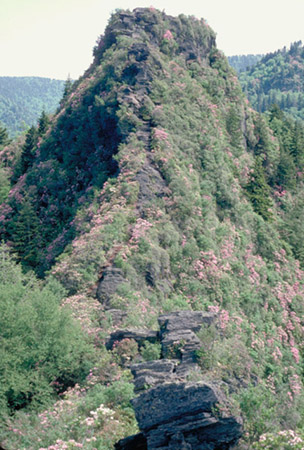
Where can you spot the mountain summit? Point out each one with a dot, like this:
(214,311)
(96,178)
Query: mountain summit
(153,190)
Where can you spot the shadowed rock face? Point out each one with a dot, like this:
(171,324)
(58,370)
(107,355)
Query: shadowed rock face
(136,442)
(108,284)
(175,414)
(180,416)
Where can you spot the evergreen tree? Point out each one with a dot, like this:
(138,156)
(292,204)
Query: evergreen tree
(25,234)
(28,152)
(4,184)
(298,144)
(4,140)
(286,171)
(67,88)
(258,191)
(233,124)
(43,123)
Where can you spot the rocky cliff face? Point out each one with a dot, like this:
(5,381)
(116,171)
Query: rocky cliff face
(171,412)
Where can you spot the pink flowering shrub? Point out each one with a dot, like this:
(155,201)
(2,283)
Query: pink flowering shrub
(286,439)
(168,35)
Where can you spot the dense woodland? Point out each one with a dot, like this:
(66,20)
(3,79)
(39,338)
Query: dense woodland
(22,99)
(156,165)
(277,78)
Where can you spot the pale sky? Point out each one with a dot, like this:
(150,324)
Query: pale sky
(55,38)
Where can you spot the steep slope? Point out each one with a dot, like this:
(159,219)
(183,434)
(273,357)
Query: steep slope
(22,100)
(277,78)
(149,194)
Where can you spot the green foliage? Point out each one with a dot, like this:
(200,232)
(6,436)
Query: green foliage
(277,78)
(97,419)
(282,440)
(23,98)
(208,335)
(43,351)
(258,191)
(150,351)
(43,123)
(125,351)
(4,140)
(28,153)
(26,234)
(5,184)
(234,127)
(258,406)
(67,89)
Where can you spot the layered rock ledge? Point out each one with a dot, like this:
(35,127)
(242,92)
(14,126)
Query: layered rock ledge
(173,413)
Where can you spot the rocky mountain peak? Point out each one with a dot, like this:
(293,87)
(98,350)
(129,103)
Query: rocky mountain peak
(189,36)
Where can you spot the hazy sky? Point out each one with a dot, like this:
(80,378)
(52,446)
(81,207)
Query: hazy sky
(55,38)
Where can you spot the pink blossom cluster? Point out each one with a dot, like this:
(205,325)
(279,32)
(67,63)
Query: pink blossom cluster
(139,230)
(159,134)
(253,262)
(295,384)
(63,445)
(277,354)
(207,265)
(213,308)
(279,192)
(224,319)
(296,354)
(168,35)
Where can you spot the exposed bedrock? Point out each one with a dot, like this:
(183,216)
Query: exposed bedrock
(173,413)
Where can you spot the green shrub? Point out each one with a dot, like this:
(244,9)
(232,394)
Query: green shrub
(43,351)
(282,440)
(150,351)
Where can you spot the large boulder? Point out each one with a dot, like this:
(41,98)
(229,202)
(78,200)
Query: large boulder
(181,415)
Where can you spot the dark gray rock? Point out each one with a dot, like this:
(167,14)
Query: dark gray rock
(135,442)
(177,441)
(116,316)
(151,407)
(178,338)
(185,320)
(140,336)
(174,414)
(151,183)
(111,278)
(199,432)
(180,415)
(152,373)
(176,343)
(140,51)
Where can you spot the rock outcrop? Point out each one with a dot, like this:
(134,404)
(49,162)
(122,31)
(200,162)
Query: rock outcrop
(112,277)
(173,413)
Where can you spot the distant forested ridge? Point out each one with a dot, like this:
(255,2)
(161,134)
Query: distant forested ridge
(22,100)
(243,62)
(277,78)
